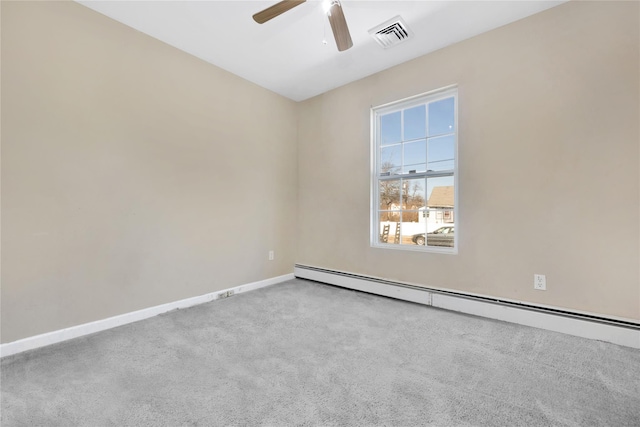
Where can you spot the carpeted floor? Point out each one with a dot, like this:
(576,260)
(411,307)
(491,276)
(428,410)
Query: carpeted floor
(302,353)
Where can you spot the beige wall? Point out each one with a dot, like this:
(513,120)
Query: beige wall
(548,138)
(133,174)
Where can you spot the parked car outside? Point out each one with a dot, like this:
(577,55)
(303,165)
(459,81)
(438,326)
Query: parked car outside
(443,236)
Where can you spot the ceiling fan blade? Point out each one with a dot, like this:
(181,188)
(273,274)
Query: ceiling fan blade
(339,26)
(275,10)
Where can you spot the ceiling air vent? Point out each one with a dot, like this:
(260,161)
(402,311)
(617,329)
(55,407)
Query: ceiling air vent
(391,33)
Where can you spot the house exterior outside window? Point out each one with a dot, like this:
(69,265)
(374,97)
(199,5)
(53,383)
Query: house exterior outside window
(414,173)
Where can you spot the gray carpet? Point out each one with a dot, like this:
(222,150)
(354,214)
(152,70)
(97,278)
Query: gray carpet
(302,353)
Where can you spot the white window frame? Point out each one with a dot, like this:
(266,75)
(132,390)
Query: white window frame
(376,113)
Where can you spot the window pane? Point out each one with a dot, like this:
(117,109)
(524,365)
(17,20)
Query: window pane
(390,128)
(413,194)
(413,228)
(415,123)
(440,153)
(441,117)
(390,159)
(389,224)
(389,195)
(440,211)
(415,154)
(413,201)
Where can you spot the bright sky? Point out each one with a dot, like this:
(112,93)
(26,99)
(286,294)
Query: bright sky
(425,147)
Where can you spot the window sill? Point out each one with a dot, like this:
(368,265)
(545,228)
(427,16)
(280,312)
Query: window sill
(416,248)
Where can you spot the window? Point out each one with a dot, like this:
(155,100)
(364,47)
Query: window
(414,158)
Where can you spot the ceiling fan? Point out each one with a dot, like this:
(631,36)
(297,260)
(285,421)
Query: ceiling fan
(334,13)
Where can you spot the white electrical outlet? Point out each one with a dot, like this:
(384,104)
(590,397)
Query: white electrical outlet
(271,255)
(540,282)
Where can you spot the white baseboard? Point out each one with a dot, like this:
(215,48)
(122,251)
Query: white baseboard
(54,337)
(577,324)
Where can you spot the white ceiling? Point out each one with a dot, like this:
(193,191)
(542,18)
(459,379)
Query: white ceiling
(287,54)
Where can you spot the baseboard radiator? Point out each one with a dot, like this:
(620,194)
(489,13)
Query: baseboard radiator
(619,331)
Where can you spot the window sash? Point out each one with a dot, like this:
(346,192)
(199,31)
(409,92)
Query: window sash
(416,175)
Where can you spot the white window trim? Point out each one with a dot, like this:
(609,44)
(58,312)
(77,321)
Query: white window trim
(376,112)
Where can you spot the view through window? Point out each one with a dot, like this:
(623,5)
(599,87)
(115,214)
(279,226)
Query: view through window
(414,156)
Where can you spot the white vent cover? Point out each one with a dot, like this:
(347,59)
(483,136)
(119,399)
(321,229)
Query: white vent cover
(391,33)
